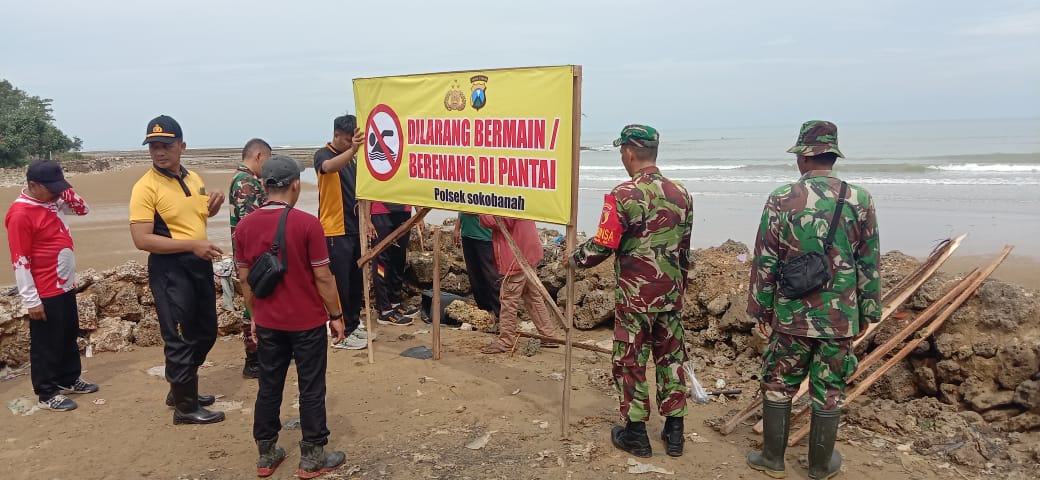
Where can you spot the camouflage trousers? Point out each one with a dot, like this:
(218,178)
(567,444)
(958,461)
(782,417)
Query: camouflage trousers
(247,336)
(789,359)
(637,336)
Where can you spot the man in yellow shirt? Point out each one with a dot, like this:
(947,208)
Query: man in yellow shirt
(168,211)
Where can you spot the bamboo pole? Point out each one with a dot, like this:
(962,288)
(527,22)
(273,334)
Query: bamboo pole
(932,327)
(435,306)
(397,233)
(570,240)
(891,301)
(591,348)
(366,273)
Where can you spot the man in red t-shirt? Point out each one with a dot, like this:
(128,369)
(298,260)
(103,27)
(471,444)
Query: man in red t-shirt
(289,323)
(45,272)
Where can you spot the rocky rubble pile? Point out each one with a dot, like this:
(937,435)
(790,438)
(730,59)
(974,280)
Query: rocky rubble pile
(116,313)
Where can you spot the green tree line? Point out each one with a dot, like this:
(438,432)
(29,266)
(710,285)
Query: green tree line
(27,128)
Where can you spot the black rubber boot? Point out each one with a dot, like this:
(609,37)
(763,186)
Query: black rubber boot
(314,460)
(776,425)
(672,434)
(632,438)
(252,368)
(204,400)
(271,455)
(186,408)
(824,459)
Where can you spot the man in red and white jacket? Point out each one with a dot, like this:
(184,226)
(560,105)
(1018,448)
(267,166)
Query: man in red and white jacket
(45,272)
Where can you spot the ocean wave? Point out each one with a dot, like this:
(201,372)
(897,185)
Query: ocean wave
(975,167)
(669,167)
(860,180)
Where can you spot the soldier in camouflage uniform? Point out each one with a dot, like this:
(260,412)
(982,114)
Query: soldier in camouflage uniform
(245,195)
(812,336)
(646,225)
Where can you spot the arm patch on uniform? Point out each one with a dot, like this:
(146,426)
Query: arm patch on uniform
(609,232)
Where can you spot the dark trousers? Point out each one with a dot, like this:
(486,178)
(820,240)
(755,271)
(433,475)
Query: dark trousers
(388,267)
(275,349)
(52,346)
(344,252)
(185,302)
(483,274)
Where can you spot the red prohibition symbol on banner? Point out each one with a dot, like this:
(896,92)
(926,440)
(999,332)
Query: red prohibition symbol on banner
(383,152)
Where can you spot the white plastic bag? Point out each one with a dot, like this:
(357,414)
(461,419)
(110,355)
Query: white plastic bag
(697,392)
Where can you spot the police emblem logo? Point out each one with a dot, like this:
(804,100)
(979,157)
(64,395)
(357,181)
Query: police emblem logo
(455,99)
(478,97)
(157,129)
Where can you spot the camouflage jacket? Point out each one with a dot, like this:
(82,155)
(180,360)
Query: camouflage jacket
(646,224)
(245,195)
(795,220)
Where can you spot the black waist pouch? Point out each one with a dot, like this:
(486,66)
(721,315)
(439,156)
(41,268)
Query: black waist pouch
(268,269)
(808,272)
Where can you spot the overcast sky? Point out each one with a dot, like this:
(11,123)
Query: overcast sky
(231,70)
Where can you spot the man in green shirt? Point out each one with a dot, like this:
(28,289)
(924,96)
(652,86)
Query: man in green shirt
(245,195)
(479,253)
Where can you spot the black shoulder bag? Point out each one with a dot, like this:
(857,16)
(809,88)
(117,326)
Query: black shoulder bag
(810,271)
(268,269)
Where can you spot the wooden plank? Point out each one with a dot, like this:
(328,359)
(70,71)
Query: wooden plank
(435,306)
(977,280)
(891,302)
(404,228)
(591,348)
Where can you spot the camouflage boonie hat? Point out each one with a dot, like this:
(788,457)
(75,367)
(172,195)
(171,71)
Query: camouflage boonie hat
(638,136)
(817,137)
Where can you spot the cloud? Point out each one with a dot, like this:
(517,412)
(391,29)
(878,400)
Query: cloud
(1025,24)
(780,41)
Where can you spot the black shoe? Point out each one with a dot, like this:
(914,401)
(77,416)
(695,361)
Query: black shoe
(252,368)
(271,455)
(186,405)
(672,434)
(824,459)
(314,460)
(392,317)
(406,310)
(204,400)
(632,438)
(776,424)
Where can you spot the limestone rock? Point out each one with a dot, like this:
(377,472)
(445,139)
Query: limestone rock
(455,283)
(125,303)
(420,265)
(1024,422)
(983,395)
(464,312)
(229,322)
(1006,306)
(985,349)
(112,335)
(924,378)
(581,288)
(1018,362)
(718,305)
(694,316)
(146,332)
(949,394)
(597,307)
(949,371)
(88,312)
(736,317)
(897,384)
(953,346)
(554,276)
(1027,395)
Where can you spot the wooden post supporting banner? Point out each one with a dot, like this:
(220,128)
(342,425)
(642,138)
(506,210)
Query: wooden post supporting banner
(570,240)
(404,228)
(366,273)
(435,306)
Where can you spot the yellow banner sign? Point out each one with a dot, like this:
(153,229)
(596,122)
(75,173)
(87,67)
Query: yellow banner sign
(490,141)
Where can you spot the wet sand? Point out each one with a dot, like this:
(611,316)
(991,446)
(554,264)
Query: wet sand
(103,237)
